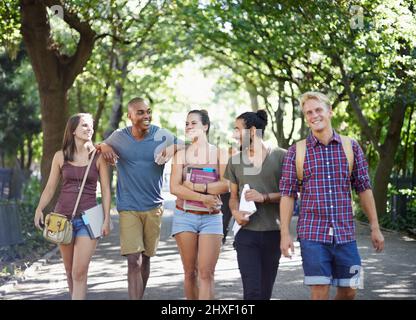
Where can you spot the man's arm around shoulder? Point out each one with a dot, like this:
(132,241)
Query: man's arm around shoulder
(108,152)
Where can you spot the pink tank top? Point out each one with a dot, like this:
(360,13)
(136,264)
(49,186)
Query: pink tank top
(71,182)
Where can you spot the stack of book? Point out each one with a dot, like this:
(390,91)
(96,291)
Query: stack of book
(199,175)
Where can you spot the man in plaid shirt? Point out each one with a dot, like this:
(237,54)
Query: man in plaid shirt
(326,228)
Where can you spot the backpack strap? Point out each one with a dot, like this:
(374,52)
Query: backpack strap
(301,152)
(349,153)
(300,159)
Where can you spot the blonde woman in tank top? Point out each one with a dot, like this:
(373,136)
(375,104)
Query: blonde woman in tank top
(70,164)
(198,233)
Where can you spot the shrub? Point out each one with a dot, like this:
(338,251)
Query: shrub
(402,221)
(33,246)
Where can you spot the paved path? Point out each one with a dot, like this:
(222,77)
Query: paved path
(389,275)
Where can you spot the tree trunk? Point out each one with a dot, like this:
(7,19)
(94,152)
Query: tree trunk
(22,155)
(414,166)
(295,106)
(381,181)
(53,126)
(406,144)
(29,154)
(283,143)
(388,151)
(100,107)
(55,73)
(117,109)
(102,99)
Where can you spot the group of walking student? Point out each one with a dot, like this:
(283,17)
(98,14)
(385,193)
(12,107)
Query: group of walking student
(323,169)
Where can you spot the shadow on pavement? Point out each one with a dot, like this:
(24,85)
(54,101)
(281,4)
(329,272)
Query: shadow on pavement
(389,275)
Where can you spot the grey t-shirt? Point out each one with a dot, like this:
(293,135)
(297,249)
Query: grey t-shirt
(139,177)
(265,180)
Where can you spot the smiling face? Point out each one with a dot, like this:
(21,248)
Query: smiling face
(85,129)
(194,127)
(317,115)
(140,115)
(242,135)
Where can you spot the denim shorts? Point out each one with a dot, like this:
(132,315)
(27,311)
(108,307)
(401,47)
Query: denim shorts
(331,264)
(78,228)
(196,223)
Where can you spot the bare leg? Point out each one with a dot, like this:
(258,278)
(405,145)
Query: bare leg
(209,246)
(320,292)
(188,249)
(145,270)
(67,253)
(136,282)
(84,248)
(345,293)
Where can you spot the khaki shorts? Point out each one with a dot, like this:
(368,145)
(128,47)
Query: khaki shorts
(140,231)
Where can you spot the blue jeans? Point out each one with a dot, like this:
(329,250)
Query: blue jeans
(258,255)
(331,263)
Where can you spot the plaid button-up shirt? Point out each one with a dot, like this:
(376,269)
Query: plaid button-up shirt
(326,196)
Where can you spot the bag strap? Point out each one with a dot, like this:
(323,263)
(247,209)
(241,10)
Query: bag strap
(349,153)
(301,152)
(300,159)
(83,183)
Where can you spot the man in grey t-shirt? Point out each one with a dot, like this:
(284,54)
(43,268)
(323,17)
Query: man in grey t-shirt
(258,241)
(141,151)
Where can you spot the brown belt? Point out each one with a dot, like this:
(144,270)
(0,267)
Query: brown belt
(198,212)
